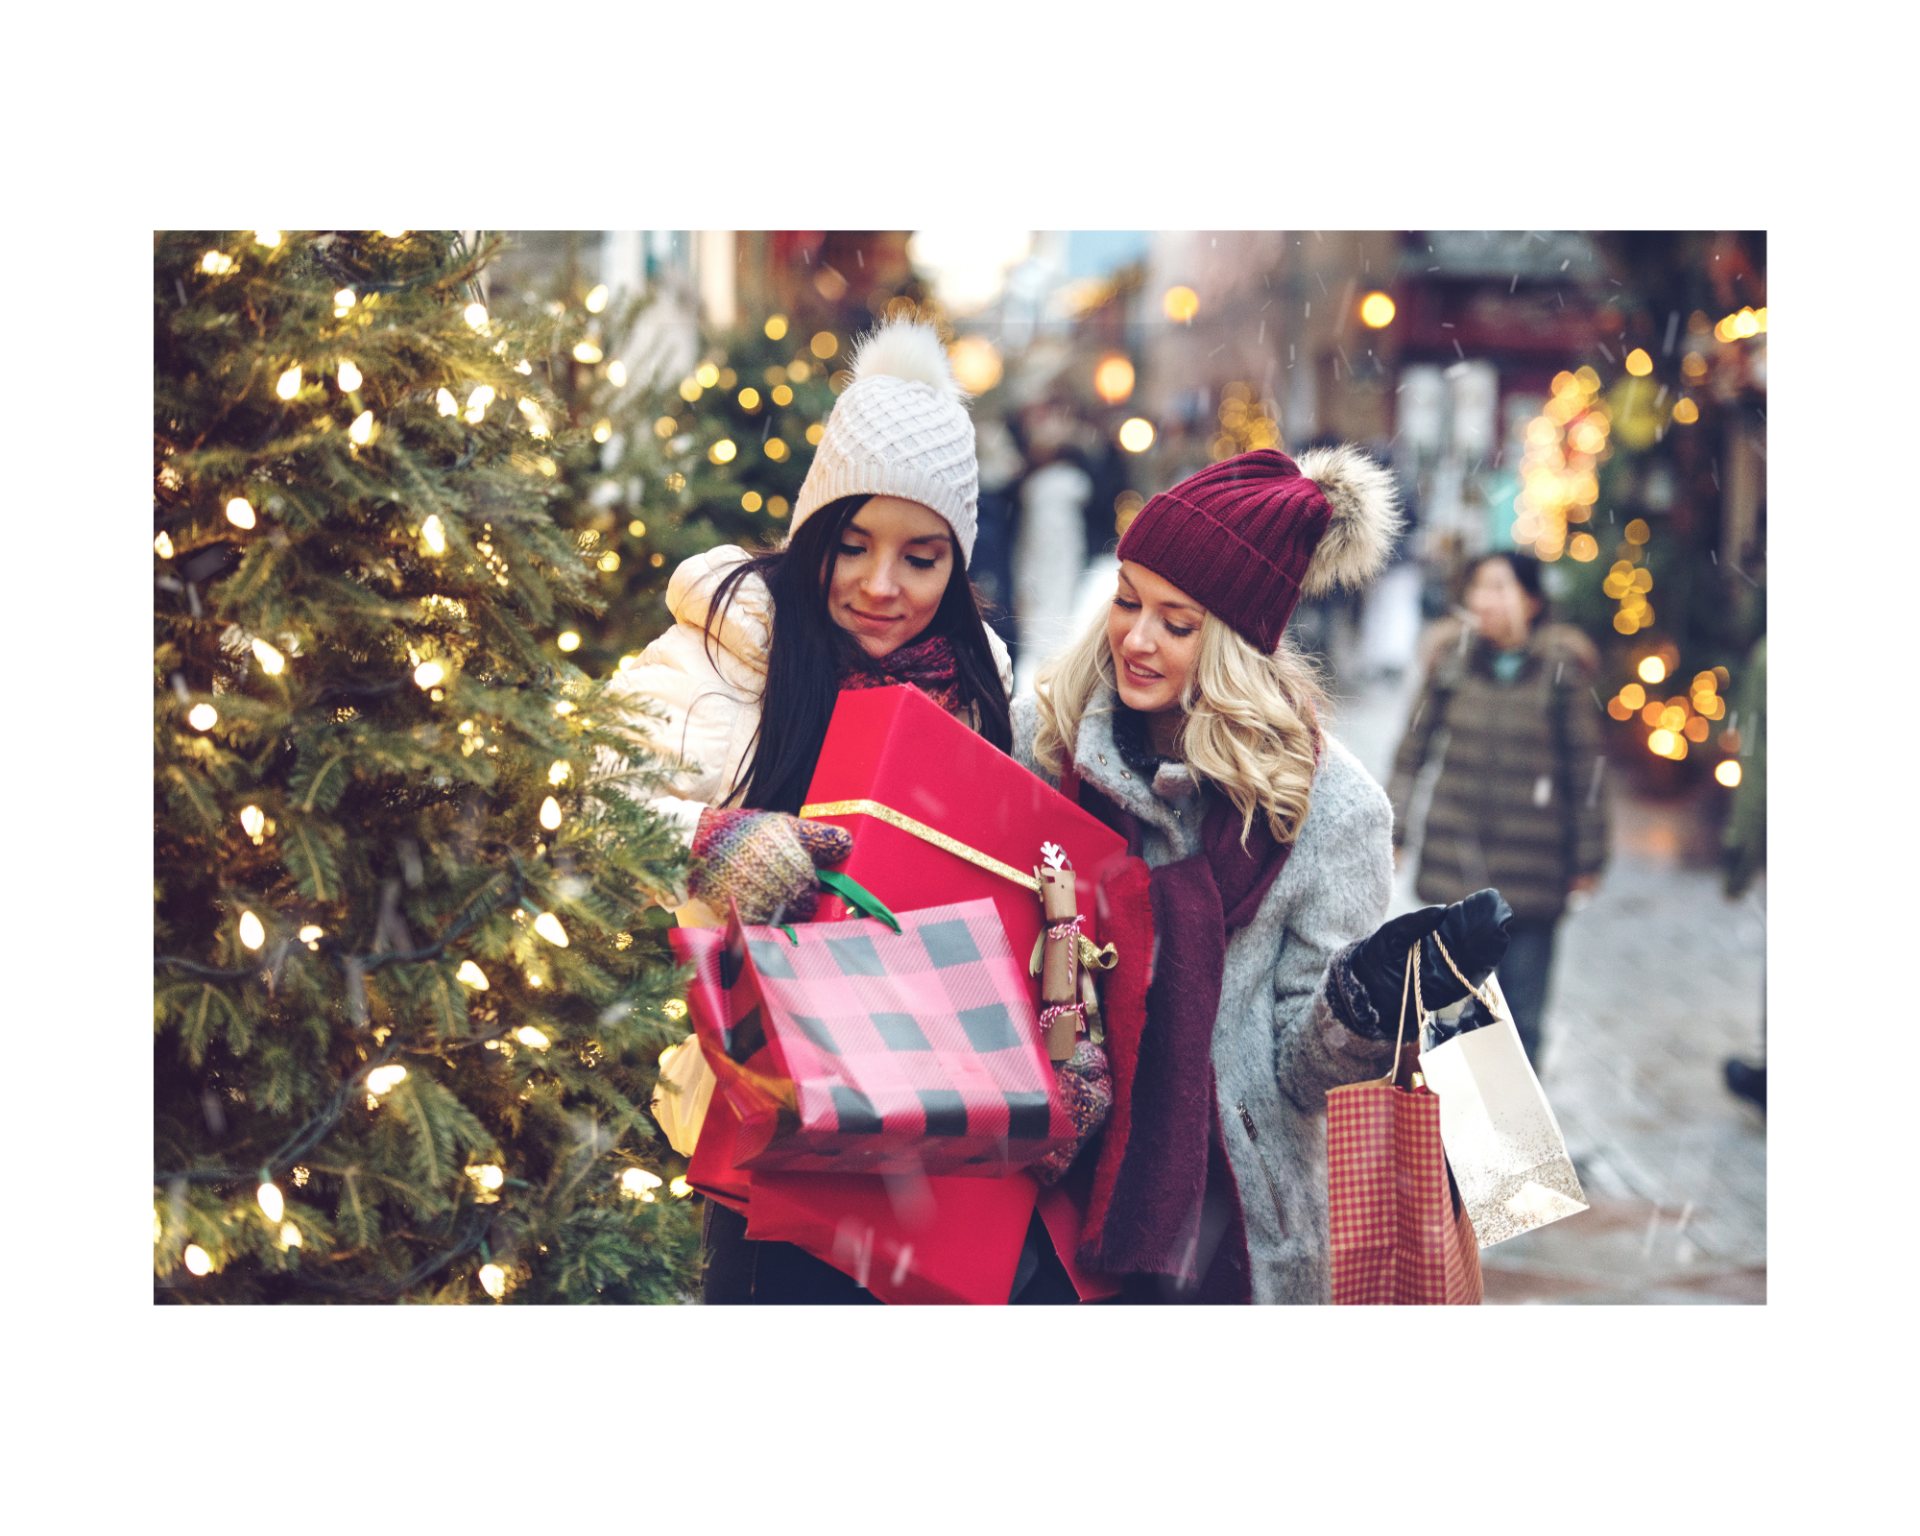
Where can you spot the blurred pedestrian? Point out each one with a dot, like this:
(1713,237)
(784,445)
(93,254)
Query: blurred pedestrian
(1518,803)
(1050,549)
(1745,842)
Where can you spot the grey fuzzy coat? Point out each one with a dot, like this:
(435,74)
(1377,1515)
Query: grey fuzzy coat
(1278,1045)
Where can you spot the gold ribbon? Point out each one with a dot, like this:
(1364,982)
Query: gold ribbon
(925,833)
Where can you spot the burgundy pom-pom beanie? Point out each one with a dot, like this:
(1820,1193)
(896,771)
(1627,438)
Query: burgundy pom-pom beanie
(1237,537)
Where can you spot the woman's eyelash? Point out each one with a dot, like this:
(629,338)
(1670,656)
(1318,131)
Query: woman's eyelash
(920,564)
(1174,629)
(852,549)
(1121,602)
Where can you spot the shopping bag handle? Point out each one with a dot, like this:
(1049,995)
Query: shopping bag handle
(1485,998)
(857,896)
(1410,979)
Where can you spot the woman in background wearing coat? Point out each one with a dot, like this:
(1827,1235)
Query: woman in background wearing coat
(1519,803)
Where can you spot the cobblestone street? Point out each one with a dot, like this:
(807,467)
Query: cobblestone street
(1657,980)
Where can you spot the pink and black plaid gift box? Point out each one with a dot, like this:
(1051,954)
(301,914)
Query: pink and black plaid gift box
(859,1050)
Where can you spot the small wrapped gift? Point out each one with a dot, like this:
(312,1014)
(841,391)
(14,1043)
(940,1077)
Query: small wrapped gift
(849,1047)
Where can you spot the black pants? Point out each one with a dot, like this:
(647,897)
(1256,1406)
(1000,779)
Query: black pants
(1524,974)
(738,1271)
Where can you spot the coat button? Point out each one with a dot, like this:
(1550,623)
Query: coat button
(1124,774)
(1103,757)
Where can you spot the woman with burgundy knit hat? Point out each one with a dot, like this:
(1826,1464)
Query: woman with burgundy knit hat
(1188,725)
(870,589)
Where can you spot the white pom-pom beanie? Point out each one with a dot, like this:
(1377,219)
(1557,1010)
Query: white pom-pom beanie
(899,429)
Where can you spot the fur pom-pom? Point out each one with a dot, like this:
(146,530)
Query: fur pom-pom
(1365,504)
(905,349)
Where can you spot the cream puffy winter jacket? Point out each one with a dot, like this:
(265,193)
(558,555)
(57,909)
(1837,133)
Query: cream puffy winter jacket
(705,700)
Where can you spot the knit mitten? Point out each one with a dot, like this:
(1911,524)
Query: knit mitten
(764,860)
(1086,1092)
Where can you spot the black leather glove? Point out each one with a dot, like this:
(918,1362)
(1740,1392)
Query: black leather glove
(1475,933)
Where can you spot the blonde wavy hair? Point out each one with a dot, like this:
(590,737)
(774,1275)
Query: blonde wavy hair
(1252,720)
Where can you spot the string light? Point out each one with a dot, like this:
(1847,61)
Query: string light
(550,813)
(535,417)
(586,352)
(548,927)
(597,300)
(433,532)
(382,1079)
(568,641)
(163,547)
(393,234)
(475,316)
(776,327)
(1180,304)
(362,429)
(270,238)
(311,936)
(602,430)
(202,717)
(639,1184)
(289,384)
(493,1280)
(251,933)
(240,512)
(216,262)
(271,1201)
(562,770)
(723,451)
(1639,364)
(1728,773)
(637,528)
(1136,434)
(1376,311)
(472,975)
(706,375)
(448,405)
(429,674)
(478,401)
(254,821)
(1652,670)
(680,1187)
(528,1036)
(271,661)
(349,377)
(617,374)
(487,1175)
(289,1234)
(196,1260)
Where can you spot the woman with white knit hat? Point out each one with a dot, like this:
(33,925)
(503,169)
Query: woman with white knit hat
(870,589)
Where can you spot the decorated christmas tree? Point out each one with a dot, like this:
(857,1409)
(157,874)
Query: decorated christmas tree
(410,978)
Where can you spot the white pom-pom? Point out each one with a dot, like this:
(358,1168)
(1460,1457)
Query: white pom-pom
(904,349)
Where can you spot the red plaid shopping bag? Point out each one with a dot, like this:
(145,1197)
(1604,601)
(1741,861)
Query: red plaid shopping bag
(851,1048)
(1398,1231)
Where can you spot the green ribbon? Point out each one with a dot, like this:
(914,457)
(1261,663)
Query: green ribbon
(858,897)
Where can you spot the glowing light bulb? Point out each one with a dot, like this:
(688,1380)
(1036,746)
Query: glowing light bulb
(617,374)
(535,416)
(563,708)
(362,429)
(289,384)
(528,1036)
(639,1182)
(163,547)
(476,316)
(349,377)
(568,641)
(251,933)
(254,821)
(433,532)
(1660,743)
(1113,379)
(216,262)
(1652,670)
(1639,364)
(550,813)
(448,405)
(1728,773)
(240,513)
(289,1234)
(1376,311)
(680,1187)
(472,975)
(270,238)
(196,1260)
(586,352)
(478,401)
(1136,434)
(1180,303)
(602,430)
(202,717)
(1685,411)
(548,927)
(723,451)
(271,1201)
(311,935)
(562,770)
(776,327)
(493,1280)
(597,300)
(383,1079)
(271,661)
(487,1175)
(429,674)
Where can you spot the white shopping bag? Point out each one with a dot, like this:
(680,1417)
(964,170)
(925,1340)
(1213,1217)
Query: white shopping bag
(681,1097)
(1500,1136)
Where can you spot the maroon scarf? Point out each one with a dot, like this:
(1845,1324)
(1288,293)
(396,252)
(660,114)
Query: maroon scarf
(1164,1203)
(931,665)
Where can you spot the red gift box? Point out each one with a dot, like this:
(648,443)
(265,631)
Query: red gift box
(902,758)
(847,1047)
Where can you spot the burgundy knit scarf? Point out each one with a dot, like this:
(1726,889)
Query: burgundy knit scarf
(931,665)
(1164,1204)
